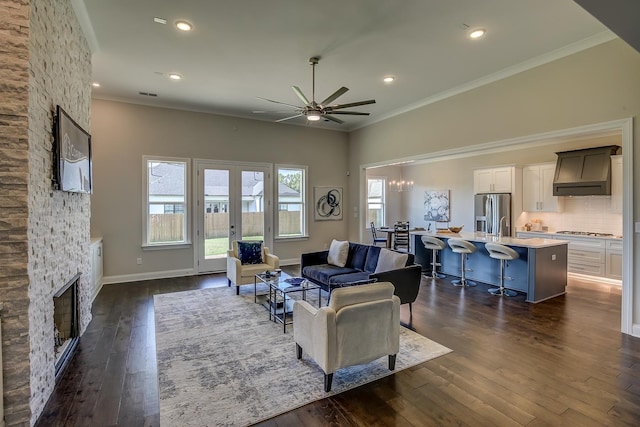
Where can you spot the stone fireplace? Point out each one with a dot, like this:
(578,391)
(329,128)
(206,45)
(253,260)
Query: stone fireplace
(44,233)
(65,323)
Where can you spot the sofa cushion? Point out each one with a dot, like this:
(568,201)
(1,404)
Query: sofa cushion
(338,253)
(357,255)
(372,259)
(250,252)
(390,260)
(342,279)
(322,273)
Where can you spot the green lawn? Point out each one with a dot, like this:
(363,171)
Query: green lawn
(219,246)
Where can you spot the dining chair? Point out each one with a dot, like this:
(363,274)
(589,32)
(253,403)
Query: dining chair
(401,235)
(377,239)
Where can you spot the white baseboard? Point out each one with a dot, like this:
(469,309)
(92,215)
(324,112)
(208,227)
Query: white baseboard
(635,330)
(137,277)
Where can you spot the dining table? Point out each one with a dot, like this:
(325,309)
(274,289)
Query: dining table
(391,231)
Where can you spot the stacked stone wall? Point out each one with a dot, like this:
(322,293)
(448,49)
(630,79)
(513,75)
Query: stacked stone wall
(44,234)
(58,228)
(14,181)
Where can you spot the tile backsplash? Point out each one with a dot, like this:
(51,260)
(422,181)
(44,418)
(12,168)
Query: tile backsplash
(589,213)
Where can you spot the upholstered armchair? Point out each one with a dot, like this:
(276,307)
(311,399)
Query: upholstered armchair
(360,324)
(242,268)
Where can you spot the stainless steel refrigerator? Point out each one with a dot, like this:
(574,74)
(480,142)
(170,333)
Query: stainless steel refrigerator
(490,209)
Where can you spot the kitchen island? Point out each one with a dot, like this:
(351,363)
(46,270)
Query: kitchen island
(540,272)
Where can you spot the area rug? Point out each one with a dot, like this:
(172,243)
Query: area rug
(222,362)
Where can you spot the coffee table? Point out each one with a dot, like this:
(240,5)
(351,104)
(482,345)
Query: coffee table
(279,303)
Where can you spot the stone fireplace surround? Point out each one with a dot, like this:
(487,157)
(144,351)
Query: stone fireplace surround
(45,60)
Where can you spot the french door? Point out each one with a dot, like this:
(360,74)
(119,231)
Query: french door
(234,202)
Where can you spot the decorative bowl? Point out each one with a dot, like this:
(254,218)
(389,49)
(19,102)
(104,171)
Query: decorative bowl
(456,228)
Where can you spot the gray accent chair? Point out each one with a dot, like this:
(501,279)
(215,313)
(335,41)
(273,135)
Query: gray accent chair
(360,324)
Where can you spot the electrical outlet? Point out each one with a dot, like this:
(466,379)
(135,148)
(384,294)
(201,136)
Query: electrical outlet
(553,257)
(139,261)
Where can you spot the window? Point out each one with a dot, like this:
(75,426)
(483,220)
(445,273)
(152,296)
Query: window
(292,208)
(166,220)
(375,201)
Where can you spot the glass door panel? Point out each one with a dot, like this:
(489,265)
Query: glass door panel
(233,203)
(252,221)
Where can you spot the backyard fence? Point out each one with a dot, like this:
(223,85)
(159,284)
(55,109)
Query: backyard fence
(169,227)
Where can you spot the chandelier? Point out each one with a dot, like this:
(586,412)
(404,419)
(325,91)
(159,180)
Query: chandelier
(400,185)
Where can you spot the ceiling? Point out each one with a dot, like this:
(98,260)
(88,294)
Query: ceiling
(244,49)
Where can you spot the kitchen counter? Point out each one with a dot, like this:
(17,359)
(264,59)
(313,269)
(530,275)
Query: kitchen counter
(540,271)
(508,241)
(555,235)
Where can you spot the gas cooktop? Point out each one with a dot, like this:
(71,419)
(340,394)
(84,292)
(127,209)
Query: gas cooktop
(585,233)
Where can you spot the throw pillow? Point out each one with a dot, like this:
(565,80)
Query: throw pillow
(250,252)
(338,253)
(390,260)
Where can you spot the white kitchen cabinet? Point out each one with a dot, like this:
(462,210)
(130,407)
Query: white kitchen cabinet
(96,266)
(616,184)
(614,259)
(600,257)
(537,189)
(493,180)
(586,256)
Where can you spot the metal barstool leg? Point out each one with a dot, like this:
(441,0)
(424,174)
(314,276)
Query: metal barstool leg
(463,278)
(434,266)
(502,291)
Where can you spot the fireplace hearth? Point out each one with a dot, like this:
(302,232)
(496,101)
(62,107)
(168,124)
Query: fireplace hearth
(65,320)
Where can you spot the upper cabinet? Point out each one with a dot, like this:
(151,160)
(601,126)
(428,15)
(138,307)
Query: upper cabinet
(616,184)
(537,188)
(493,180)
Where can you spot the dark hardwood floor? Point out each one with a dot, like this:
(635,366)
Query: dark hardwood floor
(560,362)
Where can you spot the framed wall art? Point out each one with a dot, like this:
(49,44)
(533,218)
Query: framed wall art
(436,205)
(328,203)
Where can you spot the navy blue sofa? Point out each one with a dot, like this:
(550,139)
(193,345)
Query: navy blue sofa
(360,268)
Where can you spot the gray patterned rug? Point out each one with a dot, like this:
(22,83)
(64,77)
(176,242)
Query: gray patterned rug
(222,362)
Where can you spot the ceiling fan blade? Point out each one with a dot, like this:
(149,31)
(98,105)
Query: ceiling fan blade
(353,104)
(289,118)
(298,92)
(333,119)
(352,113)
(335,95)
(278,102)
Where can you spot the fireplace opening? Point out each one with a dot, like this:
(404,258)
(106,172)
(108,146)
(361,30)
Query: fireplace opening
(65,320)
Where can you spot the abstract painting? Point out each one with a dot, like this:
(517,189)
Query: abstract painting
(436,205)
(328,203)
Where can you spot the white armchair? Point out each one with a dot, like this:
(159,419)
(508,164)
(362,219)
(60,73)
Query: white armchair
(360,324)
(244,274)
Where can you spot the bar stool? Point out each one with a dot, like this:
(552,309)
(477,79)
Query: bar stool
(464,248)
(504,254)
(435,245)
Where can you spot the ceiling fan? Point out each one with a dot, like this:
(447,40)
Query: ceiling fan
(315,111)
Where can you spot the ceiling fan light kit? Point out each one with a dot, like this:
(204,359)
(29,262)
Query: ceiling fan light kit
(314,111)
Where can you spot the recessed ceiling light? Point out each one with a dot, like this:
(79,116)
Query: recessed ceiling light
(95,84)
(477,33)
(388,79)
(175,76)
(183,26)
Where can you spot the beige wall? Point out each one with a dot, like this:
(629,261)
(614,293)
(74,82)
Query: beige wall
(593,86)
(122,133)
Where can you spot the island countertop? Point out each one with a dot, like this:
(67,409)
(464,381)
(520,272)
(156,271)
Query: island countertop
(540,270)
(508,241)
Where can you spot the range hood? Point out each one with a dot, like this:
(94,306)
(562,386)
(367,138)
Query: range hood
(584,172)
